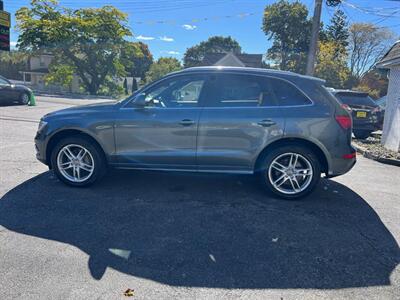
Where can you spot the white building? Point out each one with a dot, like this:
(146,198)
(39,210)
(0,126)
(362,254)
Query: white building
(391,126)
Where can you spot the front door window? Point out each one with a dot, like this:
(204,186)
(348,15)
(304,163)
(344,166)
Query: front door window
(176,93)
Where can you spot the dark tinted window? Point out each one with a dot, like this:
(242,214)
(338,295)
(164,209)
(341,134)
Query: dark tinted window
(355,99)
(287,94)
(233,90)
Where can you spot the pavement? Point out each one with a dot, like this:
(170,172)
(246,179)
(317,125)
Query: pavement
(186,236)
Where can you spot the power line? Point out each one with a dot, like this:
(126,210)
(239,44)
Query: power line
(372,11)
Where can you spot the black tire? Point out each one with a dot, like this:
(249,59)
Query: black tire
(99,162)
(24,98)
(362,134)
(306,154)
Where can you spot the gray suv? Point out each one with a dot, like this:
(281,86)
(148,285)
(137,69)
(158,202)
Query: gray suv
(284,127)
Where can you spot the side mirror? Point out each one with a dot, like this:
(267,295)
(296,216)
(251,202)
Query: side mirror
(140,100)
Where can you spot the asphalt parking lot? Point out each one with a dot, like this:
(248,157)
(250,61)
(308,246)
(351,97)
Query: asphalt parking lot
(185,236)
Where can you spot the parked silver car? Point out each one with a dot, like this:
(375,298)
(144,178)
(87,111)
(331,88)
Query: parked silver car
(284,127)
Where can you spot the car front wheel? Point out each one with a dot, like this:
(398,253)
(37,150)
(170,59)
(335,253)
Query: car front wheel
(77,161)
(290,172)
(24,99)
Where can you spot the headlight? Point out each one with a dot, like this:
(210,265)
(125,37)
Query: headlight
(42,124)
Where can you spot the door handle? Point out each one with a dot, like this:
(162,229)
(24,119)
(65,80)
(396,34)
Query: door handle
(266,123)
(186,122)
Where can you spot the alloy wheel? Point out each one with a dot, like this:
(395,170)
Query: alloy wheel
(290,173)
(25,98)
(75,163)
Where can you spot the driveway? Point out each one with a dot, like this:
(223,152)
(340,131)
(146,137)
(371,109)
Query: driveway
(184,236)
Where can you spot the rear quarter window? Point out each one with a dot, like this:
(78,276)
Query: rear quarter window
(287,94)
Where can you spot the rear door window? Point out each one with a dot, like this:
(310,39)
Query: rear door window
(236,90)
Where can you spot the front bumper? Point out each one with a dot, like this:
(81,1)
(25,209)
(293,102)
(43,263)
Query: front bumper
(40,148)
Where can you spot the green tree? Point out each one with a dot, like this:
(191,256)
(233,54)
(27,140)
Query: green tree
(137,59)
(161,67)
(134,85)
(374,82)
(216,44)
(62,74)
(338,30)
(126,86)
(11,63)
(332,65)
(287,24)
(90,40)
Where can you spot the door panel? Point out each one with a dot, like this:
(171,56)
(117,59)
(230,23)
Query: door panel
(157,137)
(162,135)
(231,138)
(237,123)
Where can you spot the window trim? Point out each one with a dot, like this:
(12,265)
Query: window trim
(206,84)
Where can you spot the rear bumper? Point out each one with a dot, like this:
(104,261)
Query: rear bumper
(342,162)
(366,125)
(345,167)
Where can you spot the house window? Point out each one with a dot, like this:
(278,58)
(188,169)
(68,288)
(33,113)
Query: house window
(41,61)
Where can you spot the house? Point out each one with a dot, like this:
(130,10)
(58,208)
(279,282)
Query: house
(391,126)
(232,60)
(38,69)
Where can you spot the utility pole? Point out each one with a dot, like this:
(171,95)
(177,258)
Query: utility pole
(314,38)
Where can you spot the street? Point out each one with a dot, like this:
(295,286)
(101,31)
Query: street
(185,236)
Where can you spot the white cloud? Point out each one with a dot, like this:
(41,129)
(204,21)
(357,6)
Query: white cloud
(172,52)
(189,27)
(144,38)
(13,44)
(166,39)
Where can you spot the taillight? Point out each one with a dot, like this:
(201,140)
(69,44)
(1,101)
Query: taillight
(350,155)
(344,121)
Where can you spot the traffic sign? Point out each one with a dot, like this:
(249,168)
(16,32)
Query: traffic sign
(5,23)
(5,18)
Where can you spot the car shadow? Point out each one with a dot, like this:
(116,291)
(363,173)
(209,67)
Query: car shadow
(11,103)
(214,231)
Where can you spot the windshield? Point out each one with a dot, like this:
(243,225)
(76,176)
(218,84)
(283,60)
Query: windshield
(4,81)
(356,99)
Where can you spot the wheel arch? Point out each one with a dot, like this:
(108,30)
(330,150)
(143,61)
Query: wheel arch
(65,133)
(316,149)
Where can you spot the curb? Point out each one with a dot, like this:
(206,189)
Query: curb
(367,154)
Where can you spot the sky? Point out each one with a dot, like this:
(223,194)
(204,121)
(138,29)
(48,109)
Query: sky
(170,27)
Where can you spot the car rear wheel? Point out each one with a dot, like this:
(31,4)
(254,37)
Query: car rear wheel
(290,172)
(361,134)
(77,161)
(24,99)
